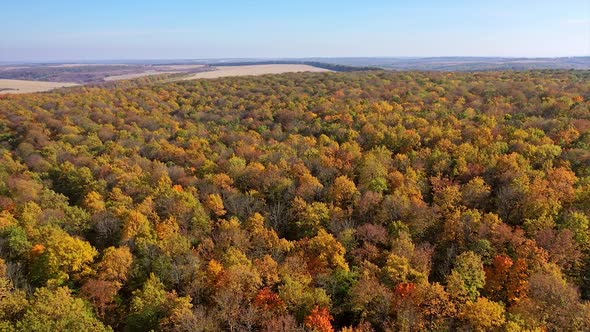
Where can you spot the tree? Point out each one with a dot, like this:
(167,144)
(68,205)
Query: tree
(552,303)
(284,323)
(371,301)
(483,315)
(94,202)
(269,302)
(374,168)
(111,274)
(215,204)
(297,289)
(446,194)
(434,306)
(325,252)
(58,310)
(398,270)
(17,243)
(309,186)
(62,257)
(475,193)
(101,293)
(183,205)
(310,218)
(319,320)
(467,277)
(73,182)
(13,302)
(152,306)
(507,280)
(344,192)
(135,224)
(579,224)
(115,264)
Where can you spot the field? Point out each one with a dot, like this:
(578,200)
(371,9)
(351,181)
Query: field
(92,73)
(137,75)
(159,70)
(38,78)
(22,86)
(254,70)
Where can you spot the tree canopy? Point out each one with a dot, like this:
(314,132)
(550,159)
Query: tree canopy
(360,201)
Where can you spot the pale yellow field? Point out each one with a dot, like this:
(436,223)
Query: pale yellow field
(20,86)
(71,65)
(225,71)
(180,67)
(138,75)
(168,69)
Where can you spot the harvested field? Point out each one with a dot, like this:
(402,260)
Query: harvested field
(21,86)
(99,73)
(180,67)
(158,70)
(72,65)
(92,73)
(224,71)
(138,75)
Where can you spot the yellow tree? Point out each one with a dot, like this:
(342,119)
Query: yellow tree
(483,315)
(62,257)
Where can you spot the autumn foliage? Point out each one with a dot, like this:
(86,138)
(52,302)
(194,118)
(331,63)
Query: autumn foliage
(361,201)
(319,320)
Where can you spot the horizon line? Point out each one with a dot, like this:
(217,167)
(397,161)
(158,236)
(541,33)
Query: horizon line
(289,58)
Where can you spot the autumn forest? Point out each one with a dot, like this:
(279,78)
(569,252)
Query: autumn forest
(356,202)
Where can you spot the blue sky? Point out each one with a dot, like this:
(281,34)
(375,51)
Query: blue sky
(104,29)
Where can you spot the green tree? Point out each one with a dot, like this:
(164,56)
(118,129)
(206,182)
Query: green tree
(57,310)
(467,277)
(153,307)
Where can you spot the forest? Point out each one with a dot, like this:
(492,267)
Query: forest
(354,201)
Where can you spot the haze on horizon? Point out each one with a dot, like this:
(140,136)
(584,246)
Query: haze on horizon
(37,30)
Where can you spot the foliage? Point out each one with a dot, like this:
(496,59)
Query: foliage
(358,201)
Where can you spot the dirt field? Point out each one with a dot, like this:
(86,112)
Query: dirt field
(224,71)
(20,86)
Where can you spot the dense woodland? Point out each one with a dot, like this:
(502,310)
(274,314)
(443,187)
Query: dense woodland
(370,201)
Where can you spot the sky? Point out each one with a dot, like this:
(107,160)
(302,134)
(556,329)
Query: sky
(60,30)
